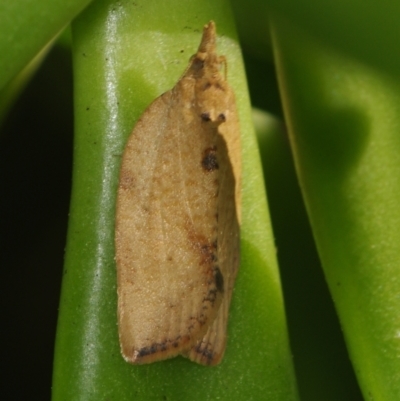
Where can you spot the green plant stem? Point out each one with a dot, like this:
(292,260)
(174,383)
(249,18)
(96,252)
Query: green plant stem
(125,55)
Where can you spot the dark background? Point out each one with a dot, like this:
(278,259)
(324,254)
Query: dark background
(35,177)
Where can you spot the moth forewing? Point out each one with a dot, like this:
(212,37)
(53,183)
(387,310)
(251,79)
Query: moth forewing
(211,349)
(177,232)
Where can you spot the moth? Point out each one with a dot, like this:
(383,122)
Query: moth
(178,216)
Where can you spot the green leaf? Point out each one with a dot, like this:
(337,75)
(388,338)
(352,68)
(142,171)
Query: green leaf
(365,30)
(343,119)
(125,55)
(27,27)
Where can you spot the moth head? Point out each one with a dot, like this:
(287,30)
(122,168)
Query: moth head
(214,116)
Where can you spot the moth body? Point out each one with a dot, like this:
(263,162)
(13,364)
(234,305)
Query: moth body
(177,218)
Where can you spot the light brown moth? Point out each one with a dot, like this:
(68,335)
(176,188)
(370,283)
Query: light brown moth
(177,218)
